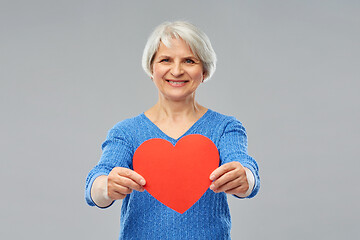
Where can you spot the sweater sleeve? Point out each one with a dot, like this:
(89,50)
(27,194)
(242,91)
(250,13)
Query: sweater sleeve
(116,152)
(233,147)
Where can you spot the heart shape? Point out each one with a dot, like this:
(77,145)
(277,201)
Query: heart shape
(177,176)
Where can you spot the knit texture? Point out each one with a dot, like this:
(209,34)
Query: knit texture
(144,217)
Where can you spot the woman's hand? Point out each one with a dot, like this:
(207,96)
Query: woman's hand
(230,178)
(122,181)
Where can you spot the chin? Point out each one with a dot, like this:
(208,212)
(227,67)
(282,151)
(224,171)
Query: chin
(177,98)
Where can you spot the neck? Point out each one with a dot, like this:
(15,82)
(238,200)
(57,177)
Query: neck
(176,110)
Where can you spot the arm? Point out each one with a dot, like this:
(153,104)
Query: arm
(238,173)
(117,153)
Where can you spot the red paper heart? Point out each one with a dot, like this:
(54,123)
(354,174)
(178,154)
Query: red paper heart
(177,176)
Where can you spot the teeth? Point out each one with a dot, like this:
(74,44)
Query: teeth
(176,83)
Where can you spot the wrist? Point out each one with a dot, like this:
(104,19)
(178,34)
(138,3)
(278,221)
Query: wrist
(99,192)
(105,190)
(251,181)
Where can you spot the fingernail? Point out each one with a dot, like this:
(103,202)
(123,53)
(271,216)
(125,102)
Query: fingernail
(142,182)
(212,177)
(212,186)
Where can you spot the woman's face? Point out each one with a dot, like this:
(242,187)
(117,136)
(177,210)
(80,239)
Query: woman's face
(176,71)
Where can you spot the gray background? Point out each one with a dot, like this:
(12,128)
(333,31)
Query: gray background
(289,70)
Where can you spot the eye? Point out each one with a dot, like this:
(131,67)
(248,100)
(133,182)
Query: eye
(189,61)
(164,60)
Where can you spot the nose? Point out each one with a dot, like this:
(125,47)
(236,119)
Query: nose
(176,70)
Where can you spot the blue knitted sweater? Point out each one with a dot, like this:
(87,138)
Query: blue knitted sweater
(144,217)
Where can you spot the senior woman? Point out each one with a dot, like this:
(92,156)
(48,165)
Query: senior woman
(178,57)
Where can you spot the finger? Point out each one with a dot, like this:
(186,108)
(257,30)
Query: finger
(235,185)
(123,190)
(221,170)
(225,178)
(116,195)
(129,183)
(125,172)
(119,188)
(238,190)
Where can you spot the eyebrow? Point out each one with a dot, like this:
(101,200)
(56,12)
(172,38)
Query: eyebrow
(191,56)
(163,56)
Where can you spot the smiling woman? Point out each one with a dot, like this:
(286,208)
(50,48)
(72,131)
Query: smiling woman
(178,57)
(177,72)
(195,39)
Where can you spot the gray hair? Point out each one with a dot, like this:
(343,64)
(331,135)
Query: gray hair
(197,40)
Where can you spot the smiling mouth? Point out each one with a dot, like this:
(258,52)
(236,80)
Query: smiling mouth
(177,83)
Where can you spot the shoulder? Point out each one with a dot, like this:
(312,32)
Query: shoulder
(216,126)
(129,122)
(225,121)
(128,126)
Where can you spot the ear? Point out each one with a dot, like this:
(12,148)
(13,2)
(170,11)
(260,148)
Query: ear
(152,72)
(204,76)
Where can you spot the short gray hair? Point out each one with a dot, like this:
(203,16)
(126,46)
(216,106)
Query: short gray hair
(197,40)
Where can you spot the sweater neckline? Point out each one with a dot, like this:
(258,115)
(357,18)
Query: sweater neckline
(187,132)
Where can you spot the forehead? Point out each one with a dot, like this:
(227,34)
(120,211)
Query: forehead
(176,47)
